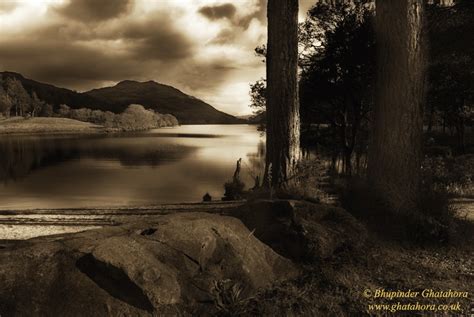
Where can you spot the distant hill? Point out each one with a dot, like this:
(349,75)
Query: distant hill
(54,95)
(162,98)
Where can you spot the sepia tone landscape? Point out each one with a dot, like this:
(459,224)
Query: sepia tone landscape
(244,158)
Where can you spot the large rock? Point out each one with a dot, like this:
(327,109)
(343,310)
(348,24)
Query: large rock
(171,265)
(302,230)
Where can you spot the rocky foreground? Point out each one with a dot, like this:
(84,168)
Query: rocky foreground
(137,269)
(189,263)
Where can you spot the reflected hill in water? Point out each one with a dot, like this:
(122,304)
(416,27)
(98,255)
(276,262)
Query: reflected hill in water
(20,156)
(168,165)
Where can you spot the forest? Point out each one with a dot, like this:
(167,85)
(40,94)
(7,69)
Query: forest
(384,91)
(347,105)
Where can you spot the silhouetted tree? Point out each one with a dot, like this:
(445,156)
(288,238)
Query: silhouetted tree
(282,119)
(451,74)
(338,71)
(395,153)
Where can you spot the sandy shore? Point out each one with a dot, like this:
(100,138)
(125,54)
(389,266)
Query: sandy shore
(26,224)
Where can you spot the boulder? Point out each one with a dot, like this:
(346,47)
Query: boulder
(302,230)
(165,267)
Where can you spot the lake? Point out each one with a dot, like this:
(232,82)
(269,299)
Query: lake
(167,165)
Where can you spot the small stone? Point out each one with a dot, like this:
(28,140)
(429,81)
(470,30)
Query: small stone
(207,197)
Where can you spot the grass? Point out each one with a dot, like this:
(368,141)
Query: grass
(335,286)
(20,125)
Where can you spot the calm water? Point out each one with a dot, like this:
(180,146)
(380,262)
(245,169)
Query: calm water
(164,165)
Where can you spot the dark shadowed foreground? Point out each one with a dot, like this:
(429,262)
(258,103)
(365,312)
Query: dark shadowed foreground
(263,258)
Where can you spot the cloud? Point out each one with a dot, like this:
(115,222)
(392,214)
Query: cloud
(7,6)
(157,38)
(226,10)
(203,48)
(95,10)
(65,64)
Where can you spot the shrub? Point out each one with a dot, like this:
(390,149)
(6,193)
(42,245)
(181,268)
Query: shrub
(46,110)
(64,111)
(234,190)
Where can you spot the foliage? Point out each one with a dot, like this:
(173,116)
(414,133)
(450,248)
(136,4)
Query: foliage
(452,175)
(338,71)
(20,99)
(134,118)
(451,73)
(228,298)
(14,98)
(306,183)
(337,59)
(46,110)
(5,102)
(257,96)
(234,190)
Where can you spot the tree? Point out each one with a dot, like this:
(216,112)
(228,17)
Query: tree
(283,121)
(64,111)
(82,114)
(395,150)
(5,102)
(46,110)
(36,104)
(258,96)
(20,98)
(337,73)
(451,74)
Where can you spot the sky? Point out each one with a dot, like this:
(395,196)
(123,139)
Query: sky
(203,47)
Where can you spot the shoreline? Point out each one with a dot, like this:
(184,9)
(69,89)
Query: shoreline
(47,126)
(22,225)
(40,126)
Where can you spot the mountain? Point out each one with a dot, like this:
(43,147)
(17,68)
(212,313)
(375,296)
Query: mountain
(162,98)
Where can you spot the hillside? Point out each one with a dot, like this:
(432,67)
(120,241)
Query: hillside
(52,94)
(162,98)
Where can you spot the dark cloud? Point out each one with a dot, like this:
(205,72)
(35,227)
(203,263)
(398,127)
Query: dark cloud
(65,64)
(157,38)
(226,10)
(95,10)
(85,44)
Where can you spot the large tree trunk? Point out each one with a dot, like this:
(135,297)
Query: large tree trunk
(283,120)
(395,154)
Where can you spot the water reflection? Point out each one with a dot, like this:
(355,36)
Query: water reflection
(163,165)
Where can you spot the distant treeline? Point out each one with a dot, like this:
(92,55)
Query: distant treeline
(134,118)
(16,101)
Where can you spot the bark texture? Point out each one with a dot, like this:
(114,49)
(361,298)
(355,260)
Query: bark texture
(283,119)
(395,154)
